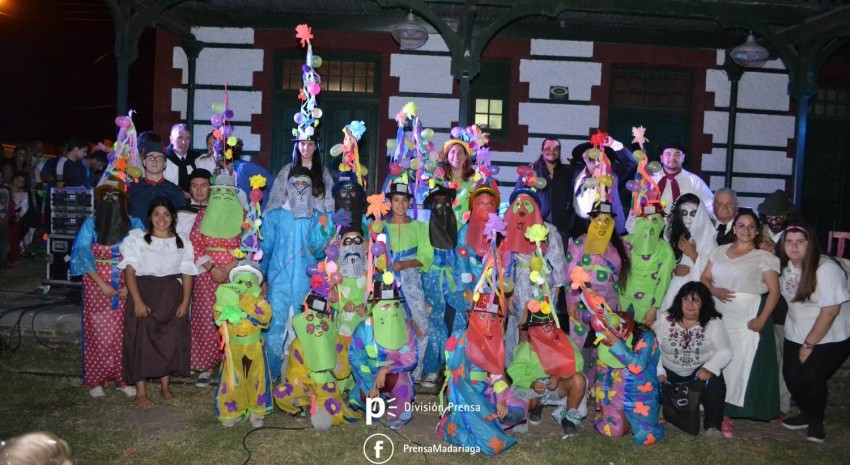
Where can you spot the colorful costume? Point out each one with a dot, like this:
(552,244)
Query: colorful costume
(652,266)
(475,368)
(385,341)
(216,233)
(96,249)
(536,265)
(443,283)
(630,393)
(293,238)
(409,241)
(318,361)
(242,313)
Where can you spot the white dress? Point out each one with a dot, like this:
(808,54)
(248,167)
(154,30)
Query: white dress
(742,275)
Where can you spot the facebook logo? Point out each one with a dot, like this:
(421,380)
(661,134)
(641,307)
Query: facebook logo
(378,448)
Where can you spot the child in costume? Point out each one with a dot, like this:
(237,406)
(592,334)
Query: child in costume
(481,404)
(351,264)
(216,235)
(410,256)
(634,387)
(294,237)
(444,283)
(242,313)
(318,361)
(382,355)
(547,367)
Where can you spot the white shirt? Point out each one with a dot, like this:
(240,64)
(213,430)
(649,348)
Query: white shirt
(159,258)
(172,172)
(685,350)
(206,162)
(742,274)
(831,290)
(688,183)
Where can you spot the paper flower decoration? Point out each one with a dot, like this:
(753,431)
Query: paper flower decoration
(536,233)
(494,225)
(341,218)
(357,128)
(639,134)
(599,138)
(232,315)
(257,181)
(410,109)
(304,33)
(378,206)
(578,277)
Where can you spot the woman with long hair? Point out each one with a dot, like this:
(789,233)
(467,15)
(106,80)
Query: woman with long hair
(694,344)
(692,237)
(817,329)
(305,154)
(744,281)
(159,266)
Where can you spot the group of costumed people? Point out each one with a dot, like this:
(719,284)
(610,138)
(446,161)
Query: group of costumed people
(328,297)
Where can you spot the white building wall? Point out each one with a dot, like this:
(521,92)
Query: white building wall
(763,129)
(216,66)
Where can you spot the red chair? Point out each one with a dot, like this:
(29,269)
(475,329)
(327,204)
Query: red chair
(841,237)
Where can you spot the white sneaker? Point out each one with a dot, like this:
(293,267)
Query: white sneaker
(230,423)
(96,392)
(256,421)
(129,391)
(203,379)
(429,380)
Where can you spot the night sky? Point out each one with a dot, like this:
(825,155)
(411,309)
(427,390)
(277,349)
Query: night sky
(58,72)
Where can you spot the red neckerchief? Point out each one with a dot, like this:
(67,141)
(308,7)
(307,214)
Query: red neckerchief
(674,184)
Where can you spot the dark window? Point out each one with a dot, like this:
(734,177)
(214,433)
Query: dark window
(337,76)
(489,97)
(831,103)
(651,88)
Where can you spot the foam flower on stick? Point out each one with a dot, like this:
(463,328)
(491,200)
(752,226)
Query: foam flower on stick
(222,130)
(307,119)
(348,150)
(124,160)
(537,233)
(494,225)
(378,206)
(251,236)
(602,317)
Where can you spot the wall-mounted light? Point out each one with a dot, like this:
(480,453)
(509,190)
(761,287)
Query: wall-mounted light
(750,54)
(409,34)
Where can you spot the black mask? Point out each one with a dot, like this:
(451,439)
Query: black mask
(111,220)
(351,200)
(442,227)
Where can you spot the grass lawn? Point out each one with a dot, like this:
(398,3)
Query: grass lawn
(40,390)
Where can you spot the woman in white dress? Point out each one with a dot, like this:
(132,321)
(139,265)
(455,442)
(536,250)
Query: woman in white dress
(744,281)
(691,236)
(158,265)
(817,330)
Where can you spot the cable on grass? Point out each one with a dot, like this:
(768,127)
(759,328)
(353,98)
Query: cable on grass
(16,328)
(281,428)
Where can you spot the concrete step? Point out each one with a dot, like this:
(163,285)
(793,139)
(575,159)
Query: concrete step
(56,322)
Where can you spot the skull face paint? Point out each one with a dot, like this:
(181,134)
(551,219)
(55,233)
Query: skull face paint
(688,212)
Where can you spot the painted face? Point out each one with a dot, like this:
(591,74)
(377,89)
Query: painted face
(348,198)
(390,325)
(317,324)
(523,213)
(591,165)
(483,205)
(200,190)
(299,195)
(399,204)
(161,219)
(306,148)
(180,140)
(688,212)
(646,236)
(691,305)
(599,234)
(672,159)
(551,151)
(248,282)
(725,207)
(352,255)
(745,229)
(776,223)
(795,246)
(457,156)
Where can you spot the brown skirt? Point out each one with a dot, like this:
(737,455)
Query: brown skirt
(157,345)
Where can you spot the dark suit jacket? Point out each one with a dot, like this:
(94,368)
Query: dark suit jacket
(191,156)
